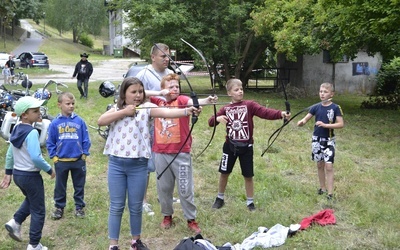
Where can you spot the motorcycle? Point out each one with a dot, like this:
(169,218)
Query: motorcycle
(106,89)
(10,118)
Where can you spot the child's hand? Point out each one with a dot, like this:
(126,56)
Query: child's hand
(212,99)
(286,115)
(5,183)
(53,174)
(222,119)
(301,123)
(130,110)
(164,92)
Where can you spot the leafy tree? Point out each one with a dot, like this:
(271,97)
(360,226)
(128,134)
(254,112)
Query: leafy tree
(222,30)
(78,16)
(343,27)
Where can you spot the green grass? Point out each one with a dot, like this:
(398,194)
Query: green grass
(366,180)
(366,184)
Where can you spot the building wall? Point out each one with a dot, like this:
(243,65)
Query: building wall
(347,77)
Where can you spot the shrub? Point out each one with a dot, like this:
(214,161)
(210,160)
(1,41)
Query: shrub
(86,40)
(387,90)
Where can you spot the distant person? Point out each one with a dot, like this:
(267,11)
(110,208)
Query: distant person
(151,76)
(6,74)
(238,119)
(24,161)
(328,116)
(83,71)
(68,145)
(11,65)
(128,149)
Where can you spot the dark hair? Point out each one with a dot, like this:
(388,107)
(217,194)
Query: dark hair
(124,86)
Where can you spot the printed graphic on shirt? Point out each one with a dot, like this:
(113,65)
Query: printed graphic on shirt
(238,126)
(83,69)
(167,130)
(68,130)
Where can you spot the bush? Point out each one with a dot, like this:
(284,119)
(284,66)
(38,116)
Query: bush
(86,40)
(387,90)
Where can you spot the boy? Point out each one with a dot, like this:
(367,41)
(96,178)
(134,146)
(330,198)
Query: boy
(68,144)
(24,160)
(169,138)
(238,118)
(328,116)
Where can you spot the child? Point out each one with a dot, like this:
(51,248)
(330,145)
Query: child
(128,148)
(238,118)
(68,144)
(6,74)
(328,116)
(169,136)
(24,161)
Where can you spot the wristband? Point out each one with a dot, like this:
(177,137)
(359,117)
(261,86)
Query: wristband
(186,114)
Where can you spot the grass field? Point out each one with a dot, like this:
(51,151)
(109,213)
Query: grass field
(366,184)
(366,181)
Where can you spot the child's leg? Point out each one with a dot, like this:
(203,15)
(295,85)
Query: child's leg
(321,174)
(223,181)
(249,186)
(329,176)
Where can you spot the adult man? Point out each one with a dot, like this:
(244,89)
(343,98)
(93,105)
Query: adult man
(151,77)
(83,71)
(11,65)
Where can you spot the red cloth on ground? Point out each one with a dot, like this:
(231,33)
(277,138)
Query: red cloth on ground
(324,217)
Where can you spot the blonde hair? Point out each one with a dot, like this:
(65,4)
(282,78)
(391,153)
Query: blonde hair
(233,82)
(68,95)
(169,77)
(329,86)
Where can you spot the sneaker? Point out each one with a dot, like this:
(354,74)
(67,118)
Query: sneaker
(57,214)
(138,245)
(113,248)
(192,225)
(14,230)
(320,191)
(167,222)
(80,213)
(147,209)
(38,247)
(251,207)
(176,200)
(329,197)
(218,203)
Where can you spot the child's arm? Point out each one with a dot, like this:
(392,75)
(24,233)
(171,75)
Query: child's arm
(338,124)
(304,120)
(35,153)
(203,101)
(113,115)
(174,113)
(162,92)
(5,183)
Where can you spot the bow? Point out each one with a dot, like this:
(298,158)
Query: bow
(195,100)
(278,131)
(213,93)
(285,121)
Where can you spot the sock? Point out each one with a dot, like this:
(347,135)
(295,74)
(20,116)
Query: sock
(221,195)
(249,201)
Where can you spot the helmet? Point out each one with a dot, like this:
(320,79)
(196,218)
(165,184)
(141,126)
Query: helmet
(23,84)
(107,89)
(6,100)
(42,94)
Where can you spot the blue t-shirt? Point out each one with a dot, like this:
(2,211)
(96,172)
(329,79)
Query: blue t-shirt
(325,114)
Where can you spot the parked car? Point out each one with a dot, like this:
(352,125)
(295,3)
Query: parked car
(32,59)
(3,58)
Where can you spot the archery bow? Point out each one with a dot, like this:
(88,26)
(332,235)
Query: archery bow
(195,101)
(285,121)
(213,93)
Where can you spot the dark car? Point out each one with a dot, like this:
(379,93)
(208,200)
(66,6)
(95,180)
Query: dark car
(32,59)
(133,70)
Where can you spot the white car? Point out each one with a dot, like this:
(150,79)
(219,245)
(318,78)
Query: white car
(3,59)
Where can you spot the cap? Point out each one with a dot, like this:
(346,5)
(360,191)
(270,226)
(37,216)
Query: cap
(85,55)
(25,103)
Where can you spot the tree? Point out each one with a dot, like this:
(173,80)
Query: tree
(222,30)
(78,16)
(343,27)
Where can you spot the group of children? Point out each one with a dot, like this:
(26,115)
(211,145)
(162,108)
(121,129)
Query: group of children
(129,149)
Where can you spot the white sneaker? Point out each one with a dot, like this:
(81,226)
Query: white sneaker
(38,247)
(147,209)
(176,200)
(14,230)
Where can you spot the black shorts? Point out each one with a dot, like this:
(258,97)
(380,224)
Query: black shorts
(229,155)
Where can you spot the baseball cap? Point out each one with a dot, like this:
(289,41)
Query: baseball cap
(25,103)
